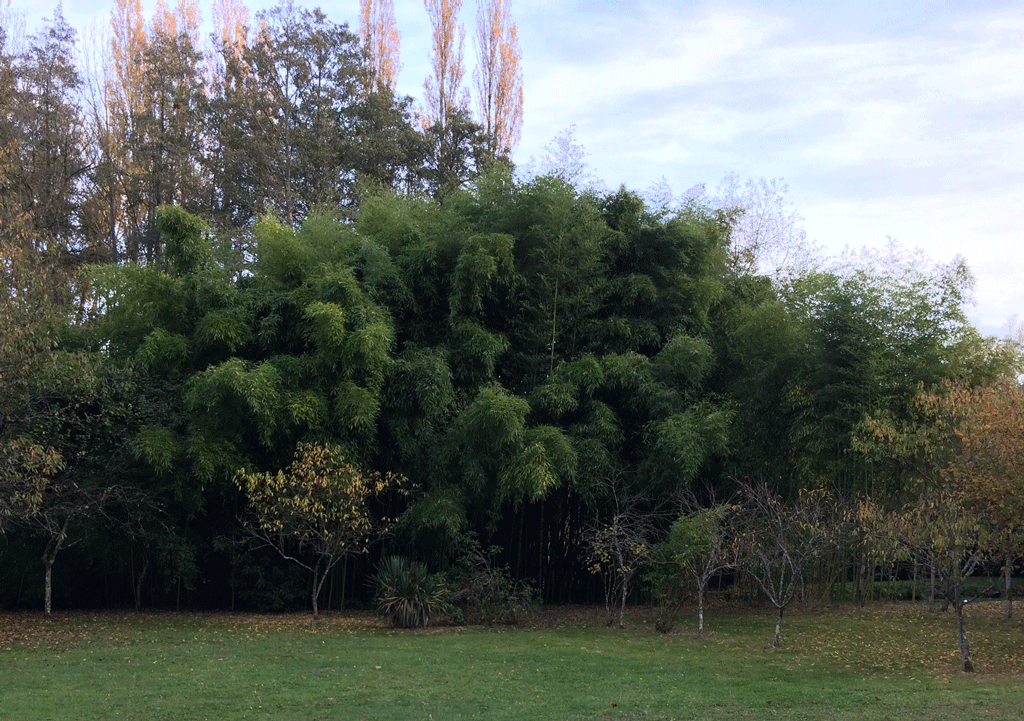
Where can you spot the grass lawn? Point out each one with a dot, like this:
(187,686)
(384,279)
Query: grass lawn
(879,662)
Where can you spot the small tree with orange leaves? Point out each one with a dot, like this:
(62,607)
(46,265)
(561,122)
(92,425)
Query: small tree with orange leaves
(319,507)
(988,471)
(965,446)
(941,528)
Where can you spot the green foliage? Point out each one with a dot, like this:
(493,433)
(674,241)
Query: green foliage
(158,447)
(881,331)
(185,248)
(475,352)
(506,349)
(356,408)
(682,443)
(307,409)
(326,327)
(436,525)
(484,261)
(684,361)
(162,351)
(406,593)
(692,536)
(493,423)
(367,353)
(237,386)
(546,460)
(280,256)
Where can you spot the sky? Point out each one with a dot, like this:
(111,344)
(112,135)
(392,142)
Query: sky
(886,119)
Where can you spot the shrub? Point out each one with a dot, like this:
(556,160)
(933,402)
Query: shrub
(669,588)
(407,594)
(485,594)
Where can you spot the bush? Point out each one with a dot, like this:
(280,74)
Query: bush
(669,588)
(484,594)
(407,594)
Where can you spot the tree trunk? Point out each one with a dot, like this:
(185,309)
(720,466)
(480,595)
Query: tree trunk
(1008,572)
(961,629)
(53,547)
(47,586)
(540,550)
(622,605)
(778,628)
(318,582)
(913,588)
(609,597)
(138,586)
(344,581)
(700,610)
(862,576)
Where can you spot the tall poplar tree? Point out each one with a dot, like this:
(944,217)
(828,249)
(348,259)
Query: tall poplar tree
(498,78)
(443,96)
(230,35)
(114,128)
(446,118)
(381,41)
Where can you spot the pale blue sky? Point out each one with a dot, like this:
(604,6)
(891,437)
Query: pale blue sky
(901,119)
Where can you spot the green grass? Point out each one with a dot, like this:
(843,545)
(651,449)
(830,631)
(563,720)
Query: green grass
(841,662)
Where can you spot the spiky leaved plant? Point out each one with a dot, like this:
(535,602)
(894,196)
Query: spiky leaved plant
(406,593)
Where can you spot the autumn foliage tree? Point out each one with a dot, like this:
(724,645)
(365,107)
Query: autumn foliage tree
(942,528)
(381,41)
(451,132)
(320,506)
(498,78)
(230,35)
(443,95)
(988,471)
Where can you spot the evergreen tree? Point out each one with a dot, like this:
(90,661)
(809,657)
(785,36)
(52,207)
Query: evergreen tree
(48,175)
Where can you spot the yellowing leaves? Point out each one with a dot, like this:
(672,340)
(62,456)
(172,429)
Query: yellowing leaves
(321,503)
